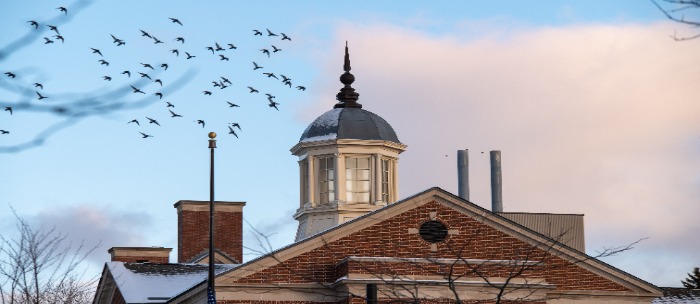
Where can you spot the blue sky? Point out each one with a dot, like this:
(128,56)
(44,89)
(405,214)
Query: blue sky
(589,102)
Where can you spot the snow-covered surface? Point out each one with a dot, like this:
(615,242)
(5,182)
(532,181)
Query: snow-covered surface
(329,121)
(678,296)
(159,284)
(321,137)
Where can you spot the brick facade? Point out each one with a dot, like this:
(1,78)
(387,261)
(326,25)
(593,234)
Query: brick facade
(193,229)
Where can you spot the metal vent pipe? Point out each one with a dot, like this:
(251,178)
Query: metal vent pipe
(463,173)
(496,182)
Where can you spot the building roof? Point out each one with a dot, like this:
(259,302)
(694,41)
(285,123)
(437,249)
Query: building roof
(675,295)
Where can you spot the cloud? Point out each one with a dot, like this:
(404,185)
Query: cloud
(593,119)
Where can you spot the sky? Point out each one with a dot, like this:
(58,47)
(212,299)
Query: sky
(591,103)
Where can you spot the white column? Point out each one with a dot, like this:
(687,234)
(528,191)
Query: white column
(339,176)
(313,179)
(376,178)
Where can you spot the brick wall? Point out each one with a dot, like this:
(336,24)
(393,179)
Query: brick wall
(193,229)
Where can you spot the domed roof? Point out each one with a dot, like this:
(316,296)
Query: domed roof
(349,123)
(348,120)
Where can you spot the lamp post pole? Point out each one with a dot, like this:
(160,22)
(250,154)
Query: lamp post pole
(210,281)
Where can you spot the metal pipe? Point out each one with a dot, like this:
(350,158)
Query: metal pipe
(463,173)
(210,280)
(496,182)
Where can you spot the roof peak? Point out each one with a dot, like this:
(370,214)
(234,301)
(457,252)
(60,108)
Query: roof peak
(347,95)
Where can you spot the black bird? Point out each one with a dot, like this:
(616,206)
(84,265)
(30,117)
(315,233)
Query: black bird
(128,74)
(265,51)
(137,90)
(145,75)
(59,37)
(117,40)
(189,56)
(287,82)
(159,94)
(53,28)
(256,66)
(216,84)
(63,9)
(231,131)
(285,37)
(269,33)
(38,85)
(134,121)
(301,88)
(34,24)
(231,46)
(211,49)
(271,75)
(153,121)
(174,20)
(223,57)
(175,51)
(225,80)
(4,132)
(10,74)
(232,105)
(218,47)
(235,124)
(144,135)
(222,85)
(107,78)
(172,114)
(274,105)
(40,96)
(159,82)
(206,92)
(269,95)
(169,105)
(285,78)
(96,51)
(180,39)
(146,65)
(257,33)
(253,90)
(200,122)
(275,49)
(156,40)
(164,66)
(144,34)
(9,109)
(47,40)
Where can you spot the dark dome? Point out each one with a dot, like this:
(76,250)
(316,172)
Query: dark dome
(349,123)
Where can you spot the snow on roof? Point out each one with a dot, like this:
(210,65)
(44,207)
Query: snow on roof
(674,295)
(320,138)
(157,283)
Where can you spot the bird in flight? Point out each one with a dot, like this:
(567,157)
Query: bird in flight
(117,40)
(134,121)
(285,37)
(211,49)
(169,105)
(175,20)
(256,66)
(275,49)
(206,92)
(59,37)
(144,135)
(156,40)
(4,132)
(38,85)
(232,105)
(200,122)
(257,33)
(266,51)
(47,40)
(9,109)
(63,9)
(223,57)
(96,51)
(144,34)
(189,56)
(137,90)
(271,75)
(235,124)
(146,65)
(159,94)
(180,39)
(53,28)
(231,131)
(175,51)
(164,66)
(153,121)
(159,82)
(10,74)
(301,88)
(225,80)
(274,105)
(269,33)
(253,90)
(218,47)
(173,114)
(145,75)
(128,74)
(34,24)
(40,96)
(107,78)
(231,46)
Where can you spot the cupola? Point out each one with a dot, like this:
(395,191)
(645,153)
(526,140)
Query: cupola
(348,163)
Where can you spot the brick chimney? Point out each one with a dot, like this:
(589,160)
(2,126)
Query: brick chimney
(140,254)
(193,229)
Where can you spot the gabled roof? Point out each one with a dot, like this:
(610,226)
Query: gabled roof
(637,286)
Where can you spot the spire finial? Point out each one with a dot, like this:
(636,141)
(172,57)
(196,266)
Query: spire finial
(347,95)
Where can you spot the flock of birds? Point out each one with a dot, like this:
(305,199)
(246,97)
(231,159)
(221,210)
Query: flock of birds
(150,74)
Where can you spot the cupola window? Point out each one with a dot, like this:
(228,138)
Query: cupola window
(357,181)
(326,180)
